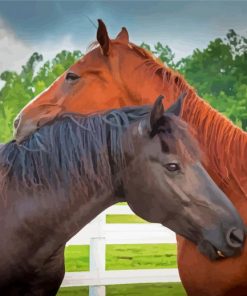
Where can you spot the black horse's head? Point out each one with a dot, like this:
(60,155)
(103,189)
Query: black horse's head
(165,183)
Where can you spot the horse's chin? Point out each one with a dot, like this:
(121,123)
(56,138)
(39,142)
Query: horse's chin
(204,246)
(207,249)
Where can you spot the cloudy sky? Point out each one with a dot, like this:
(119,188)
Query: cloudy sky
(50,26)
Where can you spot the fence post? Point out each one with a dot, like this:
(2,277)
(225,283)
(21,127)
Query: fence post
(97,254)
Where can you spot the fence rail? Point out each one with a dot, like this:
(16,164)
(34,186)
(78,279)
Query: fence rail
(97,234)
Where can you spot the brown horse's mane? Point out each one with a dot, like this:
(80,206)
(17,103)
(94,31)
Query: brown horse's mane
(82,152)
(224,142)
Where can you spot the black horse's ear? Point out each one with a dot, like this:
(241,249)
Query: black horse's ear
(103,38)
(176,108)
(157,112)
(123,36)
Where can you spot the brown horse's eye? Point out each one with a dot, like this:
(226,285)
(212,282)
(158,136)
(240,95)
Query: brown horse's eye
(72,76)
(172,167)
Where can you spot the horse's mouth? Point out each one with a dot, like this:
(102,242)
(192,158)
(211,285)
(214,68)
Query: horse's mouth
(220,254)
(204,246)
(210,251)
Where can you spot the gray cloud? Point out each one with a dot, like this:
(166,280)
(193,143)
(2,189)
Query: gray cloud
(13,51)
(50,26)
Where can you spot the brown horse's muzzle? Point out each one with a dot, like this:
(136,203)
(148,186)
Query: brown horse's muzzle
(23,129)
(27,122)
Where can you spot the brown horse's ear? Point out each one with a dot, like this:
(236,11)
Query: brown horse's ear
(157,112)
(123,36)
(103,38)
(176,108)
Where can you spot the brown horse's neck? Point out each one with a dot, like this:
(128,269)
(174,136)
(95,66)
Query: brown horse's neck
(224,144)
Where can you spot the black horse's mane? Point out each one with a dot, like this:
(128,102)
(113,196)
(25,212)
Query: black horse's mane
(74,149)
(81,152)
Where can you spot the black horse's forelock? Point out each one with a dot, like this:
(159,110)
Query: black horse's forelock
(72,151)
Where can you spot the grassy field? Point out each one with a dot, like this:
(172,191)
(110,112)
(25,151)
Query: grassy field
(168,289)
(119,257)
(112,219)
(124,257)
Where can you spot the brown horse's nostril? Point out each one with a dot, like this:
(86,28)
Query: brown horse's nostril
(16,122)
(235,237)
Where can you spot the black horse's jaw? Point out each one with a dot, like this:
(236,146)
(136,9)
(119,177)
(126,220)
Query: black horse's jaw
(209,250)
(213,253)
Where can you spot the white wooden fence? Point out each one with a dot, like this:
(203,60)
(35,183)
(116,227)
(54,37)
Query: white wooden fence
(97,234)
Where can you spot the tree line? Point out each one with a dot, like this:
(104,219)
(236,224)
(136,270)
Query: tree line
(218,73)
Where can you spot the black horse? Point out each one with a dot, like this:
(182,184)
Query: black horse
(65,174)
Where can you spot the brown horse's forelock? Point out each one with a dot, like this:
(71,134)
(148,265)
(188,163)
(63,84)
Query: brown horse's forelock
(78,151)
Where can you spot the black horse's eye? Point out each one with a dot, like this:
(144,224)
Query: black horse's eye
(172,167)
(72,76)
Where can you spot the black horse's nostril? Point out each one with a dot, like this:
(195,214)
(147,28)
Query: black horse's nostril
(235,237)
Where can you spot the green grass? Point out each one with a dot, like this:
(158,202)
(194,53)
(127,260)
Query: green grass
(168,289)
(124,257)
(77,258)
(123,203)
(141,256)
(74,291)
(124,219)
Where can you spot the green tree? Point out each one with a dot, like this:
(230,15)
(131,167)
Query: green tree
(219,73)
(164,53)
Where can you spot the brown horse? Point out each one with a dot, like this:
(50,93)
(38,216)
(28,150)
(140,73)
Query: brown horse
(66,173)
(118,73)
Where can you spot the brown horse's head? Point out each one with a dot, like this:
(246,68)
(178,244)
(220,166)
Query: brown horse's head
(165,183)
(115,73)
